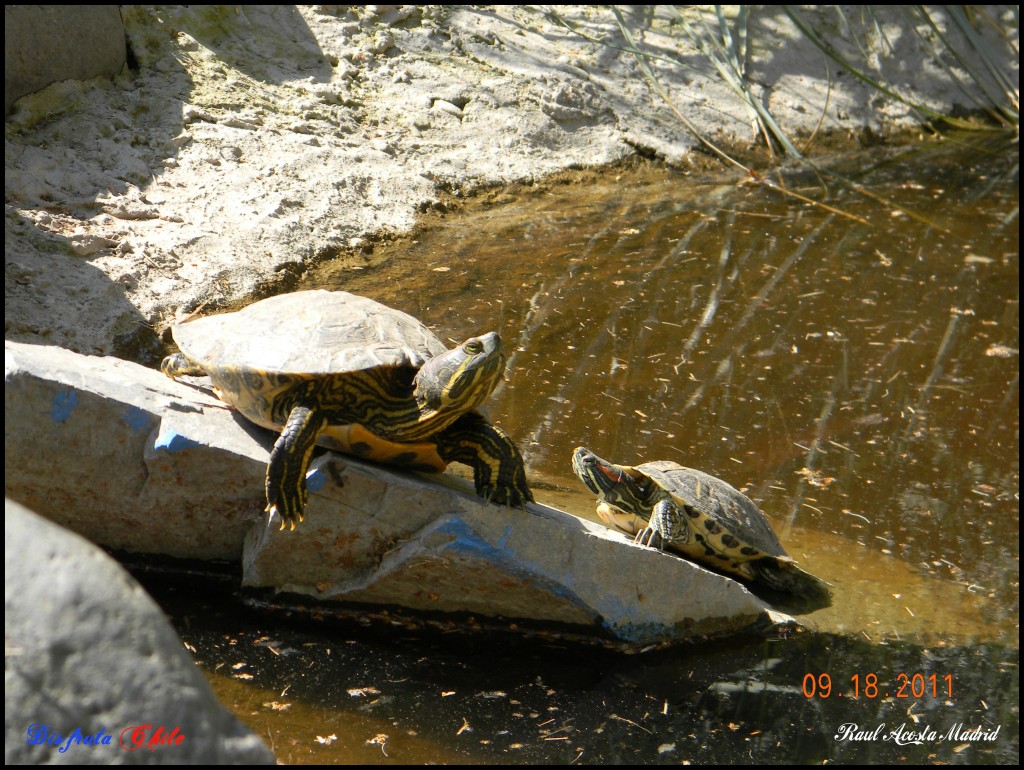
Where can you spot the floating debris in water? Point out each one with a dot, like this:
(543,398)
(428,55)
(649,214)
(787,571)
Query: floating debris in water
(1002,351)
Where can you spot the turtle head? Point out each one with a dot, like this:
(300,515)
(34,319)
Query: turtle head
(619,485)
(461,379)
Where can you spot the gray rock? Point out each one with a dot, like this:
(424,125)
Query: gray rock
(126,457)
(89,656)
(139,462)
(44,44)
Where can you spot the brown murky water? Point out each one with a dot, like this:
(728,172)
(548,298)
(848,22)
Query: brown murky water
(859,378)
(855,373)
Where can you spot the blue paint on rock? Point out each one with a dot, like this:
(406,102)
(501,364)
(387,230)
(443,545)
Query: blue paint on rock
(62,405)
(503,543)
(137,419)
(316,480)
(172,441)
(466,542)
(622,620)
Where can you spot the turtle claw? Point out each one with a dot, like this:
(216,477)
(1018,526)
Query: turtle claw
(649,538)
(287,520)
(491,494)
(502,494)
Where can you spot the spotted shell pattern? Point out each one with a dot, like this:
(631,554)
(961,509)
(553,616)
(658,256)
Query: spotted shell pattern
(733,525)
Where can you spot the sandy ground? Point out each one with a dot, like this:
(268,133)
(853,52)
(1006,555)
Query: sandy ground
(250,143)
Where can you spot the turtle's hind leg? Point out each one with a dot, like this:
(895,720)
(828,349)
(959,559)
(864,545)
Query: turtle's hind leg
(179,365)
(785,577)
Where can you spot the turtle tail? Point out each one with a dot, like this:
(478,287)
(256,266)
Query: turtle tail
(787,578)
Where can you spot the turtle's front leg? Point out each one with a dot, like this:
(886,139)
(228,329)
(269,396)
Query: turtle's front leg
(286,474)
(664,525)
(498,471)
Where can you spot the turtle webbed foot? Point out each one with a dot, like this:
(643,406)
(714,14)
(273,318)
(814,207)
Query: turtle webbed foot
(502,483)
(286,489)
(288,501)
(501,494)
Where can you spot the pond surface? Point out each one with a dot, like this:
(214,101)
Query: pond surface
(855,372)
(853,368)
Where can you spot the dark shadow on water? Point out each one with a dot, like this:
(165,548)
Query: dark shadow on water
(407,696)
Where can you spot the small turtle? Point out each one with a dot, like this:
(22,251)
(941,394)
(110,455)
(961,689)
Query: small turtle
(353,375)
(698,515)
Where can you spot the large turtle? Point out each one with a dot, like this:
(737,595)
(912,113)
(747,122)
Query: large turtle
(353,375)
(698,515)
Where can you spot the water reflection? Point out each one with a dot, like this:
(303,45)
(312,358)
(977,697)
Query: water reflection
(857,376)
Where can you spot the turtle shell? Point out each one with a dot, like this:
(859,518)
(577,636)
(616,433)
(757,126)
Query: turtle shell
(309,333)
(719,501)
